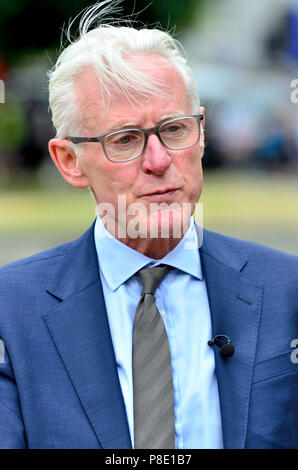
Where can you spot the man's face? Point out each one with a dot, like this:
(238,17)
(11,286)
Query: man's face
(159,175)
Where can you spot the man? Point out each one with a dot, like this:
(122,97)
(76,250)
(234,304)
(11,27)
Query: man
(106,338)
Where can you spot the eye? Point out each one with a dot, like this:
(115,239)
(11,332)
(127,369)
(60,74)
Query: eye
(124,138)
(171,128)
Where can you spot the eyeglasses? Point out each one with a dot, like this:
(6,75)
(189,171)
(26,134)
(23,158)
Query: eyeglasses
(127,144)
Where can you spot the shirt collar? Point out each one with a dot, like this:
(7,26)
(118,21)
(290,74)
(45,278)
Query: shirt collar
(118,262)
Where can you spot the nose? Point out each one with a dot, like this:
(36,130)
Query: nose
(155,158)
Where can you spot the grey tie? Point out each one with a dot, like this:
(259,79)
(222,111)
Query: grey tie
(154,418)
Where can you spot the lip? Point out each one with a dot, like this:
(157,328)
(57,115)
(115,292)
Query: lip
(163,194)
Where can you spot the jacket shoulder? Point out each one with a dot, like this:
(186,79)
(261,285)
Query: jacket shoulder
(36,260)
(246,245)
(260,261)
(43,265)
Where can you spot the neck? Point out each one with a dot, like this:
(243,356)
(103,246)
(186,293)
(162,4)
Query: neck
(154,247)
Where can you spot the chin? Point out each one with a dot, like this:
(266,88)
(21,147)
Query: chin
(168,223)
(157,221)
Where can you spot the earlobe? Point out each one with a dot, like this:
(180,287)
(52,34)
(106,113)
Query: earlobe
(68,163)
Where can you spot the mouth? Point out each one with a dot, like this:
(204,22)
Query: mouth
(164,194)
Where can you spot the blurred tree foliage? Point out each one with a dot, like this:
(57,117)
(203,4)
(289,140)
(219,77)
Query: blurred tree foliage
(31,26)
(12,124)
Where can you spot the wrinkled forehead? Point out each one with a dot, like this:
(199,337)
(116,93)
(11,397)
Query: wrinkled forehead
(94,104)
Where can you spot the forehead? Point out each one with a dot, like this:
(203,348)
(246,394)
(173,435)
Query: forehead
(92,102)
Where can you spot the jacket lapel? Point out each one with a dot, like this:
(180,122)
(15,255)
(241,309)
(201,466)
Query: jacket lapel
(235,304)
(80,330)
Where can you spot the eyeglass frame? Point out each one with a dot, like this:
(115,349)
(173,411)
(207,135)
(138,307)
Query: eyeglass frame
(146,131)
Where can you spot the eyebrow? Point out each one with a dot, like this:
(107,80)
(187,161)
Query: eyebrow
(172,115)
(127,125)
(122,125)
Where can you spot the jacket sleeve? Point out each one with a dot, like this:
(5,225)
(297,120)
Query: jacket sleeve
(12,434)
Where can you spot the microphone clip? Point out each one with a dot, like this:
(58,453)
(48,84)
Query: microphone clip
(227,349)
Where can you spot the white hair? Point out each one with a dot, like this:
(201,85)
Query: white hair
(106,48)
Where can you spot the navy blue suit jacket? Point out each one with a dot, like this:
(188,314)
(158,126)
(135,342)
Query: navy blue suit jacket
(59,386)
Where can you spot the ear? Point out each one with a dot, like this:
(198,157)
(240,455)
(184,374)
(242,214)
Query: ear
(68,163)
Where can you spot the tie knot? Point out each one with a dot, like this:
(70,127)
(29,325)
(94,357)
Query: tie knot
(152,277)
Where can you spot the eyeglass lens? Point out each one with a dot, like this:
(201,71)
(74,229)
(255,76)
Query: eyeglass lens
(175,134)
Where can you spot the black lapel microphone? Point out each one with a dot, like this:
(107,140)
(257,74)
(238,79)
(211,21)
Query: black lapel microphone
(227,349)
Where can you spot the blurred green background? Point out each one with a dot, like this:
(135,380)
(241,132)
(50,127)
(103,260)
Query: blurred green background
(245,57)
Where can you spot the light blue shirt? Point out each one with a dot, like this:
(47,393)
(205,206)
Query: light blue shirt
(183,303)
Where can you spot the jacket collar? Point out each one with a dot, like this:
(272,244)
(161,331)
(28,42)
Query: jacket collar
(77,269)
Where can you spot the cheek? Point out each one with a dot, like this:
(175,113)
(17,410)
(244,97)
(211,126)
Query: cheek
(191,166)
(108,180)
(193,176)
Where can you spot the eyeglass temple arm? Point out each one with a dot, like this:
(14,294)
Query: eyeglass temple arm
(79,140)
